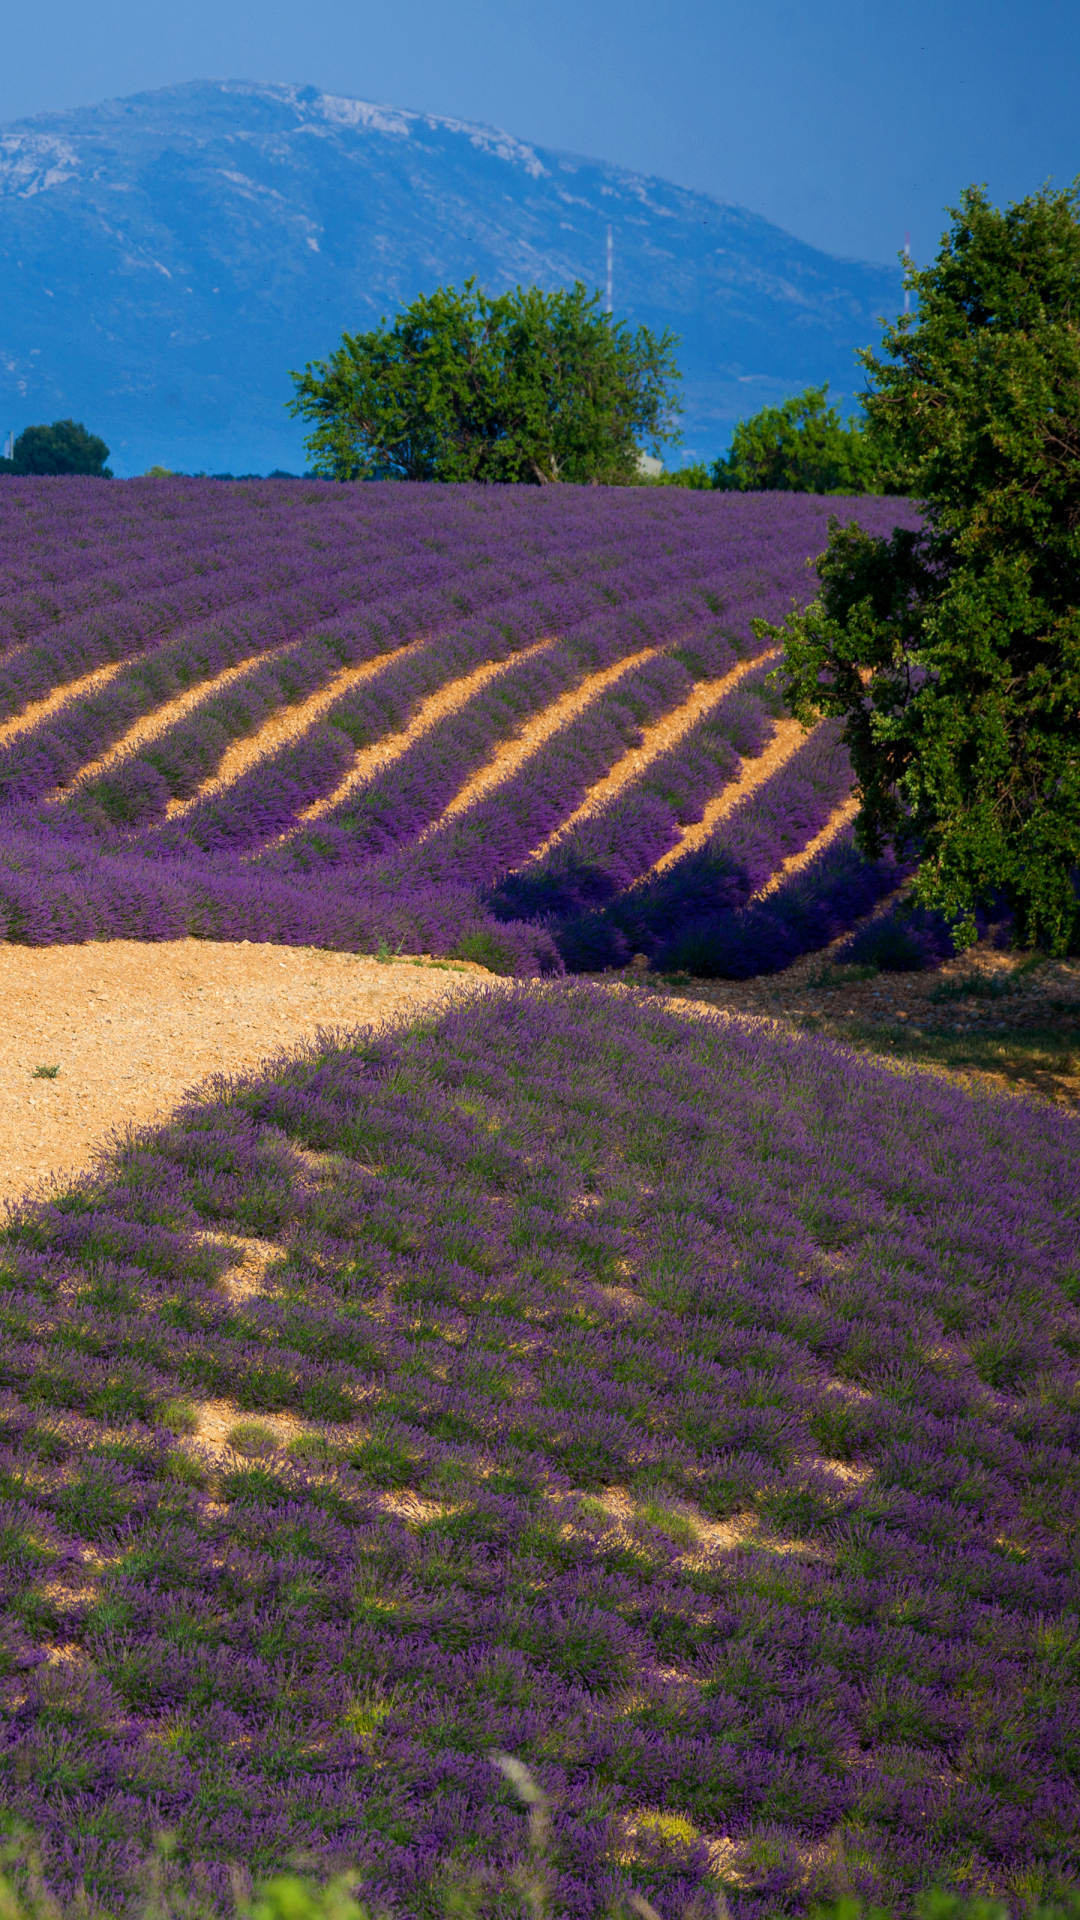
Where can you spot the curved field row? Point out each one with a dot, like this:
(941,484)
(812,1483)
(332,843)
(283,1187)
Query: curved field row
(795,862)
(448,699)
(657,739)
(290,724)
(440,720)
(789,736)
(150,726)
(50,703)
(511,756)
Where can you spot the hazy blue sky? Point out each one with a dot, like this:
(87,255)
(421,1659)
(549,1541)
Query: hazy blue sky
(845,121)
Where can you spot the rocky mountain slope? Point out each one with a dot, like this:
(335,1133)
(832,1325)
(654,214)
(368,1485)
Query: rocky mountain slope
(167,258)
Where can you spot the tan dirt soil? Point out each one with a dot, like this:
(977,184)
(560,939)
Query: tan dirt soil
(789,735)
(285,724)
(133,1025)
(446,700)
(41,709)
(834,825)
(655,740)
(151,726)
(512,754)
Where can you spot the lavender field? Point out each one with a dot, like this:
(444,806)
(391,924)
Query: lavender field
(453,720)
(688,1411)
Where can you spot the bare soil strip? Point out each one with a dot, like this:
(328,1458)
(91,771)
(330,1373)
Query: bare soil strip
(131,1025)
(789,735)
(370,759)
(655,741)
(511,755)
(41,709)
(287,724)
(152,725)
(835,825)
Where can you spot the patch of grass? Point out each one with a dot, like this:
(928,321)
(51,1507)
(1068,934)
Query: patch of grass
(179,1416)
(1036,1060)
(45,1073)
(976,986)
(828,977)
(252,1437)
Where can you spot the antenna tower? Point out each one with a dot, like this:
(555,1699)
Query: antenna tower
(907,262)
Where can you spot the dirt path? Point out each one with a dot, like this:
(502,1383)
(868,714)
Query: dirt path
(835,824)
(511,756)
(788,737)
(41,709)
(655,740)
(286,723)
(446,699)
(131,1026)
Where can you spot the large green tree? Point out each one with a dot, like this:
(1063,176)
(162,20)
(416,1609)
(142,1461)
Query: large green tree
(953,653)
(65,447)
(528,386)
(803,446)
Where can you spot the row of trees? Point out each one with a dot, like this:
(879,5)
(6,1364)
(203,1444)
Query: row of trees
(543,387)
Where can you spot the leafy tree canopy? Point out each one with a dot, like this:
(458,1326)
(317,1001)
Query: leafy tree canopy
(65,447)
(528,386)
(803,446)
(953,653)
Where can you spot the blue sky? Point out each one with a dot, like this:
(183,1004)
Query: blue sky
(848,122)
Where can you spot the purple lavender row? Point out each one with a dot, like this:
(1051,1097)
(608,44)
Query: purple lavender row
(789,808)
(485,840)
(268,799)
(443,1321)
(55,891)
(285,552)
(40,666)
(393,807)
(621,840)
(52,753)
(135,792)
(696,906)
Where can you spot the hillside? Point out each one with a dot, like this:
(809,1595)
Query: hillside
(167,257)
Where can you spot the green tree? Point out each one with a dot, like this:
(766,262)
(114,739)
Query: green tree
(803,446)
(953,653)
(65,447)
(528,386)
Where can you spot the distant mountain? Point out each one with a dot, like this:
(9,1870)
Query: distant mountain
(167,258)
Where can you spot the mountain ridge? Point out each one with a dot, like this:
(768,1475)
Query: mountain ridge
(168,256)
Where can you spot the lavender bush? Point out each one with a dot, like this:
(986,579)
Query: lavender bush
(174,583)
(687,1411)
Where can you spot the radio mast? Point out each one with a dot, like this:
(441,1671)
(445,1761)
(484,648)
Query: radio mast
(907,262)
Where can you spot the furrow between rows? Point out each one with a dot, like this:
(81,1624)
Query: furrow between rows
(283,726)
(371,759)
(834,826)
(150,726)
(657,739)
(511,755)
(32,716)
(786,741)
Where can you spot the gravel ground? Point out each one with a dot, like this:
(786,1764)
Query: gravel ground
(130,1026)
